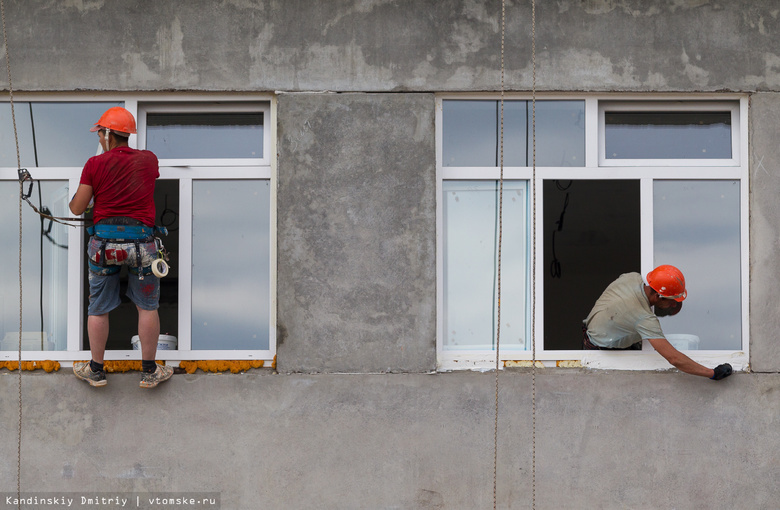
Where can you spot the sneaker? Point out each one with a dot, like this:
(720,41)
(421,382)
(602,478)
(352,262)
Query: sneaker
(150,380)
(83,371)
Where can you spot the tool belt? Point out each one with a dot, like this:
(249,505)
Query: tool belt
(111,243)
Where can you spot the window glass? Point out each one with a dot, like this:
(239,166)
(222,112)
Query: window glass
(472,133)
(230,264)
(471,260)
(560,133)
(668,135)
(516,125)
(44,269)
(24,132)
(62,132)
(50,134)
(469,137)
(205,135)
(697,229)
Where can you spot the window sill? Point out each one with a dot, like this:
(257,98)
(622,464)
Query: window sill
(597,360)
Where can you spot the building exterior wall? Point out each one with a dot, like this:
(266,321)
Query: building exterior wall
(357,250)
(764,214)
(356,279)
(393,46)
(603,440)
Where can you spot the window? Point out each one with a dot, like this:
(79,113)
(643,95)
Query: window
(214,195)
(622,186)
(54,152)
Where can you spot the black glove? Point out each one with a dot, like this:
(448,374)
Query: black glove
(722,371)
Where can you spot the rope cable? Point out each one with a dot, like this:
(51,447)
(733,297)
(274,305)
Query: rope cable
(21,191)
(533,259)
(533,263)
(498,270)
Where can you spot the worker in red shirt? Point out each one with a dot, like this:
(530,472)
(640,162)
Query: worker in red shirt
(120,182)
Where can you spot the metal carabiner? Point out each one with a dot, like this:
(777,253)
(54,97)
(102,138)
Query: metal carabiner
(24,175)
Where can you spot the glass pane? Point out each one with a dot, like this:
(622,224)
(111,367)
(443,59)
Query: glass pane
(515,133)
(62,132)
(24,132)
(696,228)
(50,134)
(44,269)
(668,135)
(470,265)
(230,264)
(469,133)
(205,135)
(560,134)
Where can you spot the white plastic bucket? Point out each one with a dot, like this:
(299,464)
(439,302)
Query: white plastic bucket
(164,343)
(683,342)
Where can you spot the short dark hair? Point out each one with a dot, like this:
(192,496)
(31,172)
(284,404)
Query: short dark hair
(120,137)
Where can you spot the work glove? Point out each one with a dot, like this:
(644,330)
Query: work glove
(722,371)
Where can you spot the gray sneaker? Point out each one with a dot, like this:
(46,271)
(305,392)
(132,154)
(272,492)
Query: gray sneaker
(83,371)
(150,380)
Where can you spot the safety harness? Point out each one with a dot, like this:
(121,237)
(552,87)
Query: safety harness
(125,232)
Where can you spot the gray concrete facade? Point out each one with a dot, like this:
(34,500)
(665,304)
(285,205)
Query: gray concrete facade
(357,240)
(355,419)
(603,440)
(393,45)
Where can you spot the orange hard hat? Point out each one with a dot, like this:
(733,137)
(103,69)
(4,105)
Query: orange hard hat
(116,119)
(668,282)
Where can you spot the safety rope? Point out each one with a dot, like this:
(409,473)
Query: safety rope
(21,190)
(24,176)
(498,269)
(533,259)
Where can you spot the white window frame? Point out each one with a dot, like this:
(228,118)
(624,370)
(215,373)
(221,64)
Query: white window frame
(185,171)
(597,167)
(666,106)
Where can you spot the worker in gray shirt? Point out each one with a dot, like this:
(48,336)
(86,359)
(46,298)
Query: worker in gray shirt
(627,313)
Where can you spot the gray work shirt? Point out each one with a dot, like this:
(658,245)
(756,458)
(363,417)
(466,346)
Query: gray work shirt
(622,315)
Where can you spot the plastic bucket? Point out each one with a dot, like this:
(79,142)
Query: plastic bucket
(164,343)
(683,342)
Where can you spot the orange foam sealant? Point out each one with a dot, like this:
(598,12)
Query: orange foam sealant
(118,366)
(47,365)
(234,366)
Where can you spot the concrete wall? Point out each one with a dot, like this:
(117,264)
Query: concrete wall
(398,441)
(357,233)
(392,45)
(356,275)
(764,232)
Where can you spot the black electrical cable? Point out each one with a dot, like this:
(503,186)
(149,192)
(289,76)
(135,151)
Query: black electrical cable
(40,289)
(32,128)
(167,212)
(555,264)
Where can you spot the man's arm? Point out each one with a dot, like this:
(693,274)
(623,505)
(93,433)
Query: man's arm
(80,200)
(678,359)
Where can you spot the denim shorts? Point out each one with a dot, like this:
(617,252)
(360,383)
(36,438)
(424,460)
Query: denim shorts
(104,292)
(104,288)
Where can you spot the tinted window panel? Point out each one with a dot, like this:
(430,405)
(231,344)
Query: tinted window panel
(470,265)
(696,228)
(668,135)
(230,264)
(205,135)
(44,269)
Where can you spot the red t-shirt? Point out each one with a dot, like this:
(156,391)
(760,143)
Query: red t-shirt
(122,181)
